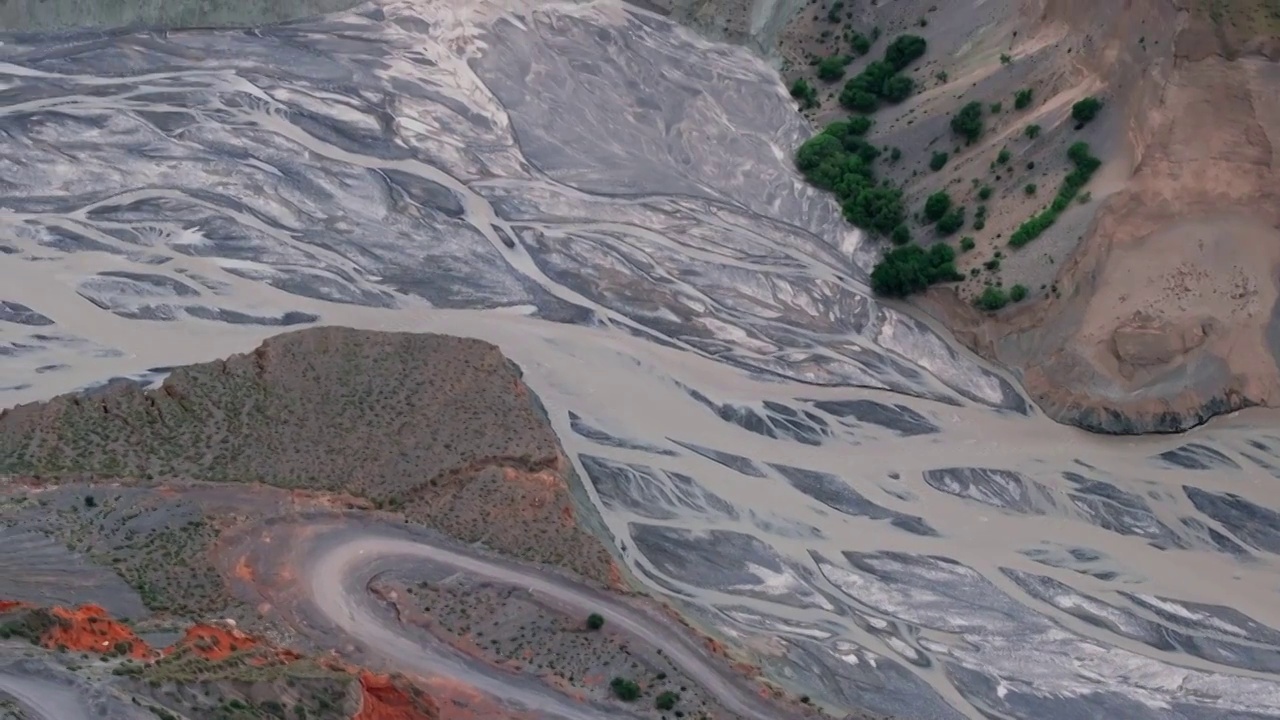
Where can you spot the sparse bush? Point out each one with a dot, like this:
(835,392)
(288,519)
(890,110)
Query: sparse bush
(951,222)
(991,299)
(833,13)
(624,689)
(910,269)
(1086,110)
(666,700)
(968,121)
(1022,99)
(1032,131)
(942,76)
(937,205)
(895,155)
(996,107)
(1017,293)
(595,621)
(938,161)
(1005,58)
(1084,198)
(966,243)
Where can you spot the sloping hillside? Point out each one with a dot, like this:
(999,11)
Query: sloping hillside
(1140,299)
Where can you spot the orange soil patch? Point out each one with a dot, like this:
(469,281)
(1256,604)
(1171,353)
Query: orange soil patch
(383,699)
(7,605)
(89,629)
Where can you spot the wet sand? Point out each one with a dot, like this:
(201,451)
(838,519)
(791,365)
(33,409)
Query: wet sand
(610,200)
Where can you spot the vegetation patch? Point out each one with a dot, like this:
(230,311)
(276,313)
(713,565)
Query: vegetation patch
(1086,165)
(911,269)
(882,79)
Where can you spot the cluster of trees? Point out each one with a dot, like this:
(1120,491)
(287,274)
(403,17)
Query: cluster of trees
(1086,164)
(993,298)
(883,79)
(840,159)
(910,269)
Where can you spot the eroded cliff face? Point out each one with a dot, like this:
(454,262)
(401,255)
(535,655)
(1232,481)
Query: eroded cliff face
(1167,308)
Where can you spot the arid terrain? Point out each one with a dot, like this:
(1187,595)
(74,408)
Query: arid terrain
(496,358)
(206,495)
(1151,303)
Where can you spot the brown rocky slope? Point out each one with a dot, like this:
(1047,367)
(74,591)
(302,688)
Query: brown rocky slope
(340,411)
(1152,301)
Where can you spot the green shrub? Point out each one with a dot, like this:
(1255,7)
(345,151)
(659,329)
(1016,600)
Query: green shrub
(951,222)
(1086,165)
(991,299)
(90,501)
(1005,58)
(996,107)
(937,205)
(833,13)
(897,88)
(966,243)
(967,122)
(1029,188)
(984,192)
(1022,99)
(938,161)
(910,269)
(860,43)
(1003,156)
(904,50)
(895,155)
(857,125)
(831,68)
(1032,131)
(901,235)
(993,264)
(1086,110)
(666,700)
(625,690)
(595,621)
(1017,293)
(802,91)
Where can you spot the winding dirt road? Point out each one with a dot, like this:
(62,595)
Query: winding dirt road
(339,577)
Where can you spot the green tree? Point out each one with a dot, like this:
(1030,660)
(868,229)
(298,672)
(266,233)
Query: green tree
(1086,110)
(901,235)
(992,298)
(938,161)
(831,68)
(1022,99)
(1032,131)
(1018,293)
(967,122)
(904,50)
(951,222)
(666,700)
(897,88)
(802,91)
(1029,188)
(595,621)
(1003,156)
(625,690)
(937,205)
(984,192)
(910,269)
(860,43)
(966,243)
